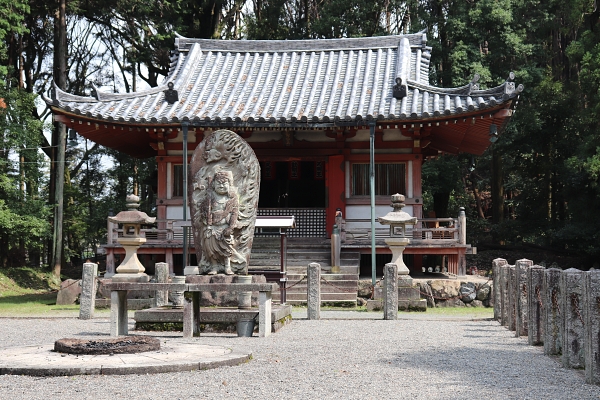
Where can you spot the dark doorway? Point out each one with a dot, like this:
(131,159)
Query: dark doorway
(380,261)
(292,184)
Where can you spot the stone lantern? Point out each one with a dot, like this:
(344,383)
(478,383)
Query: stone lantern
(131,269)
(397,220)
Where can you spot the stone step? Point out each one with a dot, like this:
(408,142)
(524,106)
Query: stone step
(294,270)
(324,297)
(327,277)
(341,289)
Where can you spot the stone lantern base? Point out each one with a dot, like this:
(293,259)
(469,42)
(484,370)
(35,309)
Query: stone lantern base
(131,270)
(397,246)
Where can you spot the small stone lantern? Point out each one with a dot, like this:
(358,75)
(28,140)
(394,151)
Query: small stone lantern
(131,269)
(397,220)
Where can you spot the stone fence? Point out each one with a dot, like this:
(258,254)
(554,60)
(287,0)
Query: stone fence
(554,308)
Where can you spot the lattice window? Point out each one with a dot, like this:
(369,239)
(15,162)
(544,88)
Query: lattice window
(389,179)
(310,222)
(177,180)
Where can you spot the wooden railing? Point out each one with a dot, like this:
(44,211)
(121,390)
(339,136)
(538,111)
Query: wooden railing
(442,231)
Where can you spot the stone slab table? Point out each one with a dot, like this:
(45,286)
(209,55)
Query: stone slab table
(191,307)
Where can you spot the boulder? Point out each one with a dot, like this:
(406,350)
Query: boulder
(483,292)
(444,288)
(70,290)
(425,288)
(468,292)
(365,288)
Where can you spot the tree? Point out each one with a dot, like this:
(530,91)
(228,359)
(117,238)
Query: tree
(22,214)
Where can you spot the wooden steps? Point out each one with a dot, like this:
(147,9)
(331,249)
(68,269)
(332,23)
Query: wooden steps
(339,289)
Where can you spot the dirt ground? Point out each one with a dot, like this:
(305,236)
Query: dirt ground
(545,257)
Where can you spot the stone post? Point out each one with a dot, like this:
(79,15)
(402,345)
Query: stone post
(313,287)
(591,317)
(521,290)
(512,298)
(535,327)
(87,300)
(390,291)
(571,287)
(496,264)
(552,319)
(161,272)
(504,278)
(462,226)
(244,298)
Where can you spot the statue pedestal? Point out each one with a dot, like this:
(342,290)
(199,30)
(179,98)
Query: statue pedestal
(131,270)
(191,270)
(397,246)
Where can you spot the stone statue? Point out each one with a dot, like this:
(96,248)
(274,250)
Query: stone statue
(224,188)
(219,217)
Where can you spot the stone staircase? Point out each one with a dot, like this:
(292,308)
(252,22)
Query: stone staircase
(339,289)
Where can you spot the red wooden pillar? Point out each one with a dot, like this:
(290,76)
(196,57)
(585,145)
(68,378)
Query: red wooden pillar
(161,195)
(417,186)
(335,186)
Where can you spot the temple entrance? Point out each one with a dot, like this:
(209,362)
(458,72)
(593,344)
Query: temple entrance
(295,188)
(292,184)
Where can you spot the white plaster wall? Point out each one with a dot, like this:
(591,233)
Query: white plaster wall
(364,212)
(176,212)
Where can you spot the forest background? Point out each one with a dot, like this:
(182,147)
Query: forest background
(537,185)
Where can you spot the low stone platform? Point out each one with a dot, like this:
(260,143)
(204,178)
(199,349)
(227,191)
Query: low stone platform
(173,356)
(212,319)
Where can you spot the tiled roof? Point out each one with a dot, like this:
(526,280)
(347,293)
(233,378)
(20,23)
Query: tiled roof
(296,81)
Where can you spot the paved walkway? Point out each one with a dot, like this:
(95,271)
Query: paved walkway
(350,355)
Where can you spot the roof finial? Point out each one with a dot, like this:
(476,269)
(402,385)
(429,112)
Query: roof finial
(399,90)
(171,95)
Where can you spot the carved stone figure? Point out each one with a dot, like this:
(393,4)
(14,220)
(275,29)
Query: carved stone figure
(224,188)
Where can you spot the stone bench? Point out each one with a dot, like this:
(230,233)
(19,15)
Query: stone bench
(191,306)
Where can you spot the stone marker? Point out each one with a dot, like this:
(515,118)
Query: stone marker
(264,314)
(552,320)
(521,319)
(512,298)
(591,316)
(571,286)
(70,290)
(504,275)
(87,301)
(496,264)
(161,272)
(390,291)
(313,287)
(535,282)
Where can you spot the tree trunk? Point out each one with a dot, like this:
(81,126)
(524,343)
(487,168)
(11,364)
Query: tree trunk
(60,76)
(497,188)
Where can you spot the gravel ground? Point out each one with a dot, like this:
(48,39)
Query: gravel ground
(414,357)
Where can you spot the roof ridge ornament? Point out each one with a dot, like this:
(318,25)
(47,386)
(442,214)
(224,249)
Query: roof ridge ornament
(94,92)
(473,84)
(399,90)
(509,85)
(171,95)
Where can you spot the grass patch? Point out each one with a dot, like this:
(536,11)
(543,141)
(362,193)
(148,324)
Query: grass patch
(473,312)
(20,281)
(31,292)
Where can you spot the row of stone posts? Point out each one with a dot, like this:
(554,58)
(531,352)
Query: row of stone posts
(554,308)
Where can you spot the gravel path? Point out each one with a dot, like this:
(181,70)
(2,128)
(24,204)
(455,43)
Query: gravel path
(413,358)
